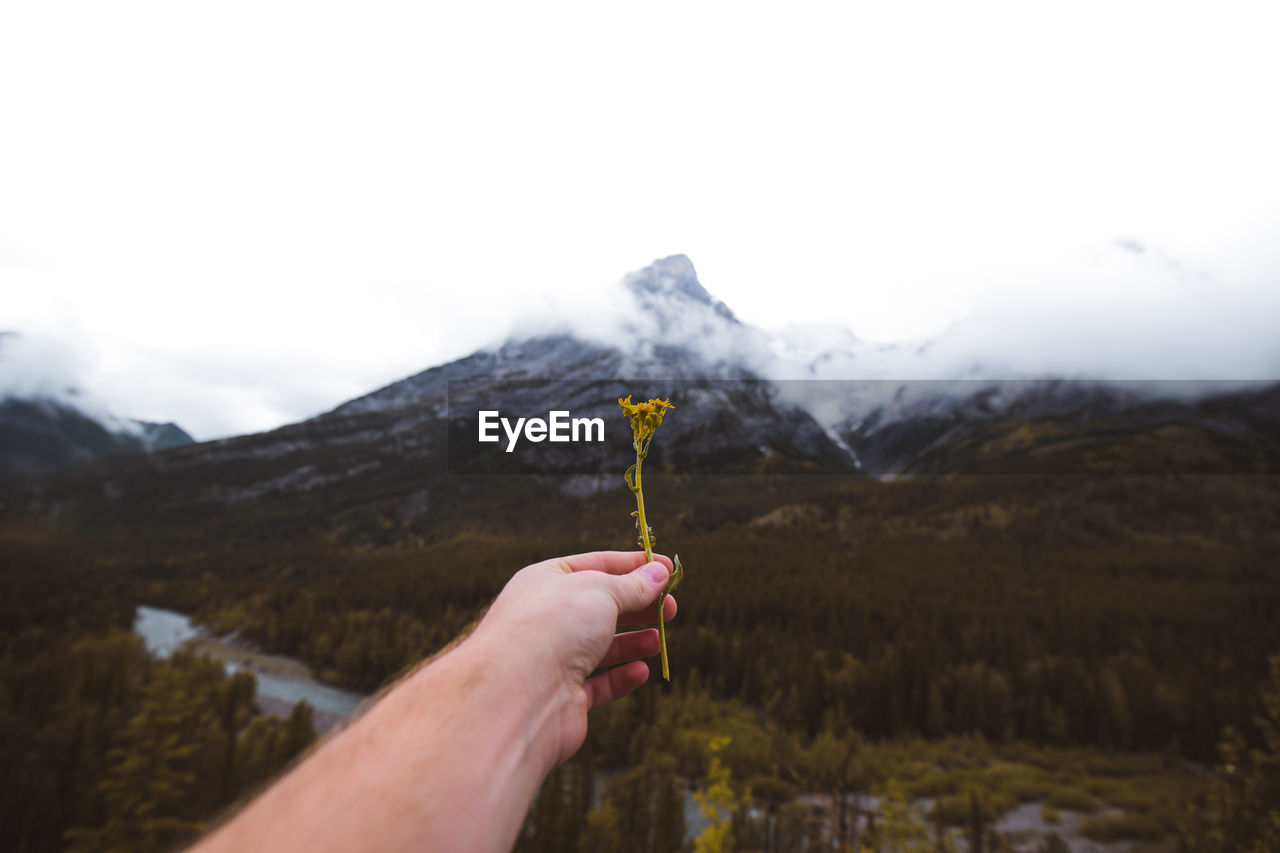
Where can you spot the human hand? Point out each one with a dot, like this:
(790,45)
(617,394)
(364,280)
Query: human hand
(557,621)
(451,756)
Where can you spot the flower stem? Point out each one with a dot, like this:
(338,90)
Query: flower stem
(662,638)
(644,525)
(648,554)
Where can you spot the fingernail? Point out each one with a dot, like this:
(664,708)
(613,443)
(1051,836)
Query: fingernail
(656,572)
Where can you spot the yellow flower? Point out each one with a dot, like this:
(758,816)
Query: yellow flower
(645,417)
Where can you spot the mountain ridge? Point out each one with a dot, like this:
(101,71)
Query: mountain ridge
(39,435)
(740,415)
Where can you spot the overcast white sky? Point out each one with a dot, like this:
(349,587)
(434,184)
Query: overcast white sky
(234,215)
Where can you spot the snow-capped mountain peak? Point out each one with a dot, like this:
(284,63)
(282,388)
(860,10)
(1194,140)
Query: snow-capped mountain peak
(669,288)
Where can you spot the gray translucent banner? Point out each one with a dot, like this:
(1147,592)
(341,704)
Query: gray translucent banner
(880,428)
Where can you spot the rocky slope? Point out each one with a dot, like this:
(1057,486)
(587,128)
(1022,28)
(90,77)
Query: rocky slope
(42,434)
(741,408)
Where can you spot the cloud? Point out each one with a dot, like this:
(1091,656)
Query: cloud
(44,365)
(290,231)
(209,395)
(1118,314)
(39,366)
(1122,310)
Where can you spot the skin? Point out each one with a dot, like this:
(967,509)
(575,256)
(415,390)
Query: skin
(450,757)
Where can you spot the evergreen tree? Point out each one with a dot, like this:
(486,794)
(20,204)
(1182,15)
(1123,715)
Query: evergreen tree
(935,723)
(148,787)
(668,824)
(1242,812)
(977,825)
(298,734)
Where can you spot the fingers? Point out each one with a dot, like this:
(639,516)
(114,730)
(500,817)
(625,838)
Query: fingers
(631,646)
(649,615)
(638,589)
(609,562)
(616,683)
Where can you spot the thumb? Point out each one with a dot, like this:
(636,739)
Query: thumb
(638,589)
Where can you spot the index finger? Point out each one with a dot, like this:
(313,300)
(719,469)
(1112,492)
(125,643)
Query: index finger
(609,562)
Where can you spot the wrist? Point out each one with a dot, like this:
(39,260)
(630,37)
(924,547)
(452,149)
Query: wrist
(472,694)
(515,683)
(397,778)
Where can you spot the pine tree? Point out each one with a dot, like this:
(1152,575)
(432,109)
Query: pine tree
(150,782)
(1242,813)
(935,716)
(977,825)
(668,824)
(299,733)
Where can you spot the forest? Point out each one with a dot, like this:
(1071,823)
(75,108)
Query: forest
(857,664)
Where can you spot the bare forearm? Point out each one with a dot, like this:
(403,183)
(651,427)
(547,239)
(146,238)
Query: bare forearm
(449,759)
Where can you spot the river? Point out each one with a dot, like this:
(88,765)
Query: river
(282,681)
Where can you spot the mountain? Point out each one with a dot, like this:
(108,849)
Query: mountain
(162,436)
(740,409)
(679,342)
(395,446)
(1042,613)
(42,434)
(48,423)
(1063,426)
